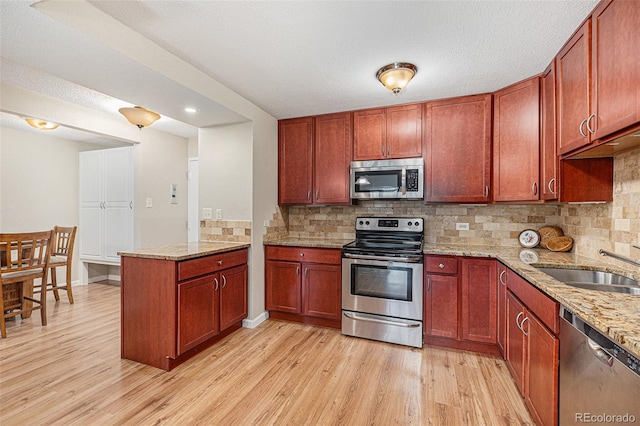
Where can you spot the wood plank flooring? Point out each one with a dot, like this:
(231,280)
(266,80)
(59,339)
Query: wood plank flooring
(280,373)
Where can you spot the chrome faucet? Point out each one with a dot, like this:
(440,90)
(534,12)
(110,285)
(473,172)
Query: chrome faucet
(620,257)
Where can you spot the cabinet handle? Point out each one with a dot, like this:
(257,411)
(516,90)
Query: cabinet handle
(301,254)
(297,271)
(388,150)
(552,185)
(582,123)
(441,266)
(131,205)
(592,131)
(317,194)
(309,195)
(486,191)
(220,262)
(306,272)
(518,319)
(534,188)
(428,284)
(522,326)
(500,277)
(217,283)
(224,281)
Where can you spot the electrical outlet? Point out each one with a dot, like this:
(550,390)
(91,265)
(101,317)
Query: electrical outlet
(207,213)
(218,214)
(149,203)
(462,226)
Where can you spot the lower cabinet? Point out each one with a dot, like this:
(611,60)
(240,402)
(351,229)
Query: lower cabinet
(532,347)
(171,310)
(501,271)
(304,284)
(460,303)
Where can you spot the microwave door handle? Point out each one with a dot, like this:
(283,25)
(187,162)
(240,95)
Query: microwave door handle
(404,181)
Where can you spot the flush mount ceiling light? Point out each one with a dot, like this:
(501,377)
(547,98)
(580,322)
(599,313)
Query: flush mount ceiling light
(396,76)
(41,124)
(139,116)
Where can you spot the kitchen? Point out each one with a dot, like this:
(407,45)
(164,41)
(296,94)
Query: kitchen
(492,224)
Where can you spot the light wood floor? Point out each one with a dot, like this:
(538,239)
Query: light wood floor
(70,372)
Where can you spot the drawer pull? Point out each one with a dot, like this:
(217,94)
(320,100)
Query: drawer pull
(441,266)
(219,262)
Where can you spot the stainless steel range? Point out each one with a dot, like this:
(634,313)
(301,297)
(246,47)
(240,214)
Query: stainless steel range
(382,280)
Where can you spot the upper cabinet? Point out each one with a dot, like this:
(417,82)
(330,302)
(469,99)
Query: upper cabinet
(548,147)
(598,76)
(457,135)
(516,142)
(394,132)
(314,154)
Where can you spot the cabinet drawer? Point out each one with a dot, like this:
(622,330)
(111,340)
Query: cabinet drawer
(209,264)
(441,264)
(545,308)
(304,254)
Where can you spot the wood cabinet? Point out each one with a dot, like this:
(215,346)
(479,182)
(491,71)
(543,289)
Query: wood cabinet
(106,204)
(599,76)
(314,154)
(516,142)
(548,147)
(173,309)
(460,303)
(501,304)
(441,296)
(394,132)
(532,348)
(457,135)
(304,284)
(478,300)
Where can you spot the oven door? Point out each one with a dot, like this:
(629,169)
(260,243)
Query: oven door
(382,286)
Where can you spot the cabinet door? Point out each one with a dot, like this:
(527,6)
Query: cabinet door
(615,66)
(502,309)
(369,134)
(515,341)
(283,290)
(441,306)
(479,300)
(332,157)
(548,152)
(541,393)
(321,291)
(573,90)
(404,131)
(233,296)
(295,160)
(458,150)
(197,311)
(516,142)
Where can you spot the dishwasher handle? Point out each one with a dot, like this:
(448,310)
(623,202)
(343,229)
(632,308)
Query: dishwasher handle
(600,353)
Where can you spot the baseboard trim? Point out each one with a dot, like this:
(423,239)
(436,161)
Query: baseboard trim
(253,323)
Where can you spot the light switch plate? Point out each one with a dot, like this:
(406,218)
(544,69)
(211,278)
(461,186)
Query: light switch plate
(462,226)
(207,213)
(149,203)
(174,193)
(219,214)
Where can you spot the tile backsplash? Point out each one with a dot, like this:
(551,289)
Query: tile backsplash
(612,226)
(225,230)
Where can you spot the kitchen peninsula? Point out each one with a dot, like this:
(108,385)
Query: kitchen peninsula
(180,299)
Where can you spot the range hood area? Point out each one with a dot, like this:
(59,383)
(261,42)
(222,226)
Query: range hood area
(612,146)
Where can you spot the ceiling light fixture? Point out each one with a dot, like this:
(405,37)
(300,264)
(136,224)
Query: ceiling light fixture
(41,124)
(139,116)
(190,110)
(396,76)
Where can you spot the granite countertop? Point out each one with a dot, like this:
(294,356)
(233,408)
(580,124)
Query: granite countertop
(615,314)
(184,251)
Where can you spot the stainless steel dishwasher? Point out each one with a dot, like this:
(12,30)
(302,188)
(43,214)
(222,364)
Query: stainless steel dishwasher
(599,380)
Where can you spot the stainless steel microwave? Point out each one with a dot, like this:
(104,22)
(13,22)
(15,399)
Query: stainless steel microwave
(394,179)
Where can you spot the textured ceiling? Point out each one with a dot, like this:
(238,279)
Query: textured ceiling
(289,58)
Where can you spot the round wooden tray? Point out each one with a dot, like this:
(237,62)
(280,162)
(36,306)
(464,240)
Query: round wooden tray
(549,232)
(560,244)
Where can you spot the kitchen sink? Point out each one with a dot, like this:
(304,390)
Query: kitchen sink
(594,280)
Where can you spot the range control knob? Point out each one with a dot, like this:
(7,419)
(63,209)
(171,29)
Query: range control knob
(410,223)
(360,223)
(366,223)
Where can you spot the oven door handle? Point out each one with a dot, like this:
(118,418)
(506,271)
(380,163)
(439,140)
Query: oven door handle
(392,259)
(355,317)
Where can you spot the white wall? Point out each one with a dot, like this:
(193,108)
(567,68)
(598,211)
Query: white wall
(225,157)
(160,160)
(39,182)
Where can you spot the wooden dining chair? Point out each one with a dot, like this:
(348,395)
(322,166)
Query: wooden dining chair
(62,255)
(25,258)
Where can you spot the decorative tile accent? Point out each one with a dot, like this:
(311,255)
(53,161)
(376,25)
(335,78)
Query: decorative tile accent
(225,230)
